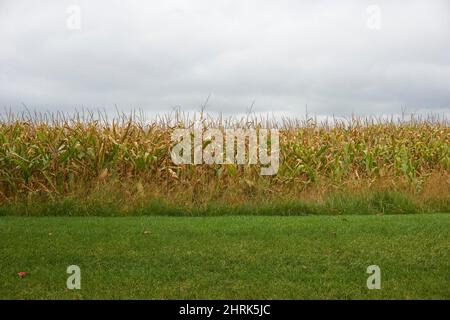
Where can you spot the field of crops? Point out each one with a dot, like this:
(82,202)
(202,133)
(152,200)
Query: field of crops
(88,164)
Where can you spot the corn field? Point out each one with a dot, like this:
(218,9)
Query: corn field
(55,155)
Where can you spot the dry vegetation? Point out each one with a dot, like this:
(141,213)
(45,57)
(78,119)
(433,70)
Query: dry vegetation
(126,162)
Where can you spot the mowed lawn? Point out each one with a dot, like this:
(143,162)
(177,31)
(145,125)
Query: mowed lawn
(237,257)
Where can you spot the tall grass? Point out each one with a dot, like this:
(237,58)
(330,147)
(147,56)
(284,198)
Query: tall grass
(125,162)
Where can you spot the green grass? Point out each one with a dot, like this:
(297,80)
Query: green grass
(226,257)
(337,203)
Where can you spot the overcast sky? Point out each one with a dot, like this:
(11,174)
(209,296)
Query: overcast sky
(333,56)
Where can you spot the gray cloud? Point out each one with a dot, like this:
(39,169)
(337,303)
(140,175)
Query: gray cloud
(157,55)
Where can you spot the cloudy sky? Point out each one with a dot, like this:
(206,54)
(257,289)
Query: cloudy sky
(336,57)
